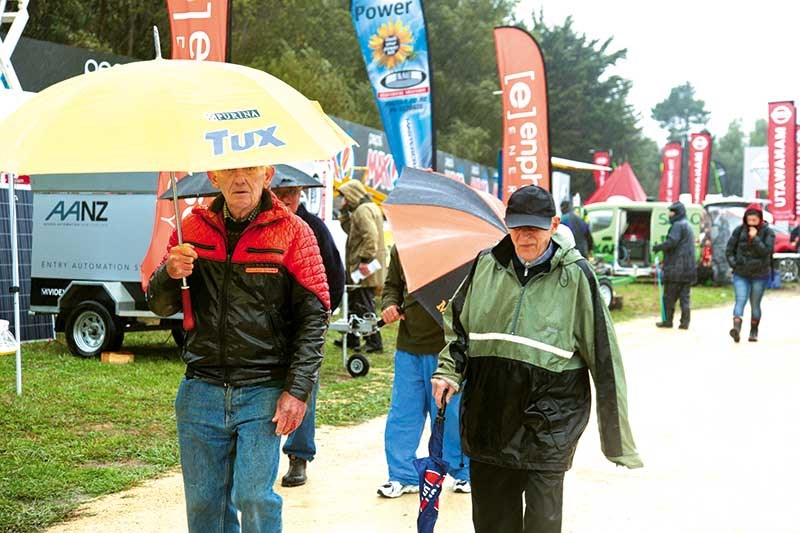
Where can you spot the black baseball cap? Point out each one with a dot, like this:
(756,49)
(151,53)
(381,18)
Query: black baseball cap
(530,206)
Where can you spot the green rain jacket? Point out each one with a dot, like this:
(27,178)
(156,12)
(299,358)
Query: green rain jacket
(524,354)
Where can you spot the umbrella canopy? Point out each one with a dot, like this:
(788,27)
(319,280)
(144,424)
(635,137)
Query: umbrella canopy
(198,184)
(432,471)
(439,226)
(172,115)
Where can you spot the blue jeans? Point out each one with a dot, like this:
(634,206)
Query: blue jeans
(753,289)
(412,400)
(229,456)
(300,442)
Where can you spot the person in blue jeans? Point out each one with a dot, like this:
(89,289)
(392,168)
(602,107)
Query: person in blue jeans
(288,187)
(749,252)
(253,357)
(419,341)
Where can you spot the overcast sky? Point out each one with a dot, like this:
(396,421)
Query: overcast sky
(738,55)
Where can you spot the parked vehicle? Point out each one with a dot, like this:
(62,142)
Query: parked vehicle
(723,215)
(90,233)
(624,233)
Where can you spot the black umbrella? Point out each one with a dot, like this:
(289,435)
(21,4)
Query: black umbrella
(198,184)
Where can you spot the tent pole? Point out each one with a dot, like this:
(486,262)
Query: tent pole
(14,289)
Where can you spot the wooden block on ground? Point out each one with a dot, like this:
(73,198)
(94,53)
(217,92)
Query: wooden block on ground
(116,358)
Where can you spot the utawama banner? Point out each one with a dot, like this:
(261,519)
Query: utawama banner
(781,153)
(797,171)
(394,44)
(600,176)
(671,158)
(699,159)
(200,32)
(526,149)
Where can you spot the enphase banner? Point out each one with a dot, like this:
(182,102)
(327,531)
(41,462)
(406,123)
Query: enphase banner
(600,176)
(394,44)
(671,158)
(199,29)
(781,151)
(200,32)
(526,148)
(699,158)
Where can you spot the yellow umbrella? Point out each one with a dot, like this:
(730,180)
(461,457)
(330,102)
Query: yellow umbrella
(167,115)
(174,115)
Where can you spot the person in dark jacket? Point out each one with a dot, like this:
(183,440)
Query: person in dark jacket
(300,446)
(524,331)
(580,229)
(420,338)
(749,253)
(260,301)
(679,269)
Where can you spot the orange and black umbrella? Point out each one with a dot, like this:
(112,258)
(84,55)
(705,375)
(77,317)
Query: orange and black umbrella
(439,226)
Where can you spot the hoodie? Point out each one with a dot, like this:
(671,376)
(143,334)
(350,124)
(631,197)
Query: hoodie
(751,256)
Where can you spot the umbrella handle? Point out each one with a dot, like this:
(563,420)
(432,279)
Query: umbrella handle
(186,300)
(440,414)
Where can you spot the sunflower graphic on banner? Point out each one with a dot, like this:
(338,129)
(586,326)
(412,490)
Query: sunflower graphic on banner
(394,44)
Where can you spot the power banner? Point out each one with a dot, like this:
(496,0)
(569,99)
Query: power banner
(199,32)
(199,29)
(699,159)
(671,158)
(526,149)
(600,176)
(394,44)
(781,150)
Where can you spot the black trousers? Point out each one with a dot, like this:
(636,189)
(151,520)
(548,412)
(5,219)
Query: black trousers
(673,292)
(361,301)
(497,499)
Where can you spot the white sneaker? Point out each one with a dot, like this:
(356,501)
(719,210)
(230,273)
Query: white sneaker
(462,486)
(395,489)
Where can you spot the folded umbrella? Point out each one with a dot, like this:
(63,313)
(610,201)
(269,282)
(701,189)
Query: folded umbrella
(439,226)
(432,471)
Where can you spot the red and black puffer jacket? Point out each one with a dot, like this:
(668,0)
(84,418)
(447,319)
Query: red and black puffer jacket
(260,309)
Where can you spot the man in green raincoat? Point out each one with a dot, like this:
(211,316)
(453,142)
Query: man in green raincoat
(525,330)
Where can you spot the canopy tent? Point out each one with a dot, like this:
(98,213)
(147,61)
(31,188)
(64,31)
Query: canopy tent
(621,182)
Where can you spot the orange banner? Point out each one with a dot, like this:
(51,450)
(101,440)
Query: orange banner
(526,135)
(199,29)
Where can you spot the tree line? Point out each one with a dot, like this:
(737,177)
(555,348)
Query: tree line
(311,44)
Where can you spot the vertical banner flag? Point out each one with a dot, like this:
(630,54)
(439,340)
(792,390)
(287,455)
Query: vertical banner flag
(600,176)
(797,171)
(199,31)
(782,159)
(526,137)
(671,158)
(699,158)
(394,44)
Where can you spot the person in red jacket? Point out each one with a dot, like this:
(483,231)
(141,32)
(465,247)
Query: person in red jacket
(260,300)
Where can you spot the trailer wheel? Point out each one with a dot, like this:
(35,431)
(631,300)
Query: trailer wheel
(606,292)
(357,365)
(116,342)
(90,329)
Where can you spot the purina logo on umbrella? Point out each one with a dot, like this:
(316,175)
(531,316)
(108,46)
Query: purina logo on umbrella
(233,115)
(222,141)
